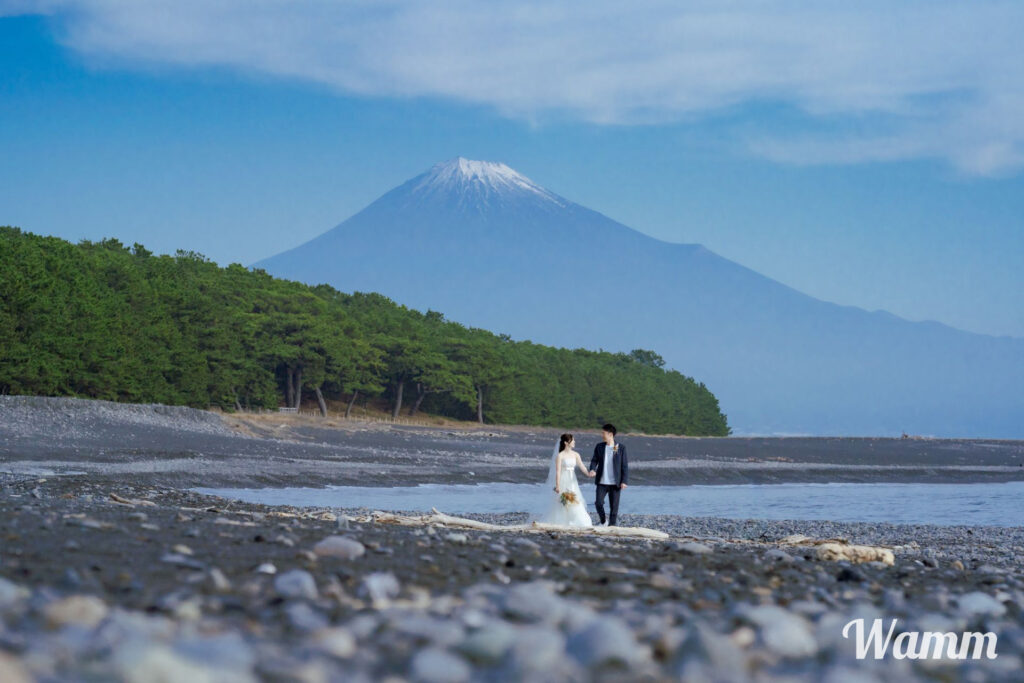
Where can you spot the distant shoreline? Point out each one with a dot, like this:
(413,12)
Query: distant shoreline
(184,448)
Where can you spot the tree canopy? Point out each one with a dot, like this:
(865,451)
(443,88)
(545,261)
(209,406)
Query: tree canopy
(103,320)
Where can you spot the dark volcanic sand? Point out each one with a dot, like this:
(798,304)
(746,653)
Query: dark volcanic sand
(187,448)
(92,589)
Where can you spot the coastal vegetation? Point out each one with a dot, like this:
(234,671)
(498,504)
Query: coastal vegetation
(103,320)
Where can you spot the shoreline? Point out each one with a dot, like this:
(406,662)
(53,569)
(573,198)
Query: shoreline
(968,505)
(121,581)
(184,448)
(719,528)
(120,572)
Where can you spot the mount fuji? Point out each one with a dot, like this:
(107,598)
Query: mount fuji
(490,248)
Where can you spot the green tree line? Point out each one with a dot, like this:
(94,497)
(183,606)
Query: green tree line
(102,320)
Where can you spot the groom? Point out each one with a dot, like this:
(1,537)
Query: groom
(611,467)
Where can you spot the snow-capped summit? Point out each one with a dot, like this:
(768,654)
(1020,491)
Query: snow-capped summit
(493,249)
(479,183)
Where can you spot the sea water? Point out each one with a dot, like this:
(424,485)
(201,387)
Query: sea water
(999,504)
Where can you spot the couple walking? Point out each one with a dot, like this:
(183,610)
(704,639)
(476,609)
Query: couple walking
(609,467)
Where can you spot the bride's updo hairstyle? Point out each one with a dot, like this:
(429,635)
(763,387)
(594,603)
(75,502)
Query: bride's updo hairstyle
(564,442)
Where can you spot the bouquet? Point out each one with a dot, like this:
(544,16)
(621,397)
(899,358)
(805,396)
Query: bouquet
(568,498)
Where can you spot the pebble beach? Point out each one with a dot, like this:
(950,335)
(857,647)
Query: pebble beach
(111,568)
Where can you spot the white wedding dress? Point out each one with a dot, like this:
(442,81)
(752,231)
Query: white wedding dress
(573,514)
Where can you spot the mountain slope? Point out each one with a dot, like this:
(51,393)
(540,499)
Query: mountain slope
(492,249)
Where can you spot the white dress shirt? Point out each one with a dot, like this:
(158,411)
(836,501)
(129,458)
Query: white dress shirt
(607,477)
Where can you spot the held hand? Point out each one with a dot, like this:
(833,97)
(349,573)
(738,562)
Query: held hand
(591,473)
(556,489)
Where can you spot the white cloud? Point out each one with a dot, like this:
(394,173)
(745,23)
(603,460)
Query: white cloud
(904,80)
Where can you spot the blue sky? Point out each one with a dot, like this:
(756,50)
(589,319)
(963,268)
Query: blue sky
(853,166)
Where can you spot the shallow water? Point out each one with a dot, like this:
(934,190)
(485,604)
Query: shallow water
(944,504)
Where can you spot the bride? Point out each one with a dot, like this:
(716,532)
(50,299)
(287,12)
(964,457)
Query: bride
(564,500)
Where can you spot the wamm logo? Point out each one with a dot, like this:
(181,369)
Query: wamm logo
(919,645)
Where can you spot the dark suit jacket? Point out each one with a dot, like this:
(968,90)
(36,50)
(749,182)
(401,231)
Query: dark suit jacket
(620,464)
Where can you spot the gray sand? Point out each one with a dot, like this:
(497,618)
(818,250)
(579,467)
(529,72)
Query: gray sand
(161,583)
(186,448)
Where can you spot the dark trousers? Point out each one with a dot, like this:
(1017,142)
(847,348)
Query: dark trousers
(612,491)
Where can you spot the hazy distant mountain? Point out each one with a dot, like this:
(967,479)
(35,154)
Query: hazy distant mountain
(490,248)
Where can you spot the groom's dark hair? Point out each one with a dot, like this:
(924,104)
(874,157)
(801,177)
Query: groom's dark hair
(610,428)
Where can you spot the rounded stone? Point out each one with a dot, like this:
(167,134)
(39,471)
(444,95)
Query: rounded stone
(340,547)
(226,655)
(11,594)
(783,632)
(534,601)
(296,584)
(12,670)
(337,642)
(220,582)
(381,587)
(779,555)
(605,641)
(977,603)
(441,632)
(694,548)
(144,662)
(718,652)
(438,666)
(525,543)
(302,617)
(488,644)
(77,610)
(538,649)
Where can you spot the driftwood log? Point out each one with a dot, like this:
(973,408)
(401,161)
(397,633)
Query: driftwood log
(828,550)
(441,519)
(841,550)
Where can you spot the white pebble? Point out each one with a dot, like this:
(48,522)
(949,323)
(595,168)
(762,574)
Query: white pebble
(339,547)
